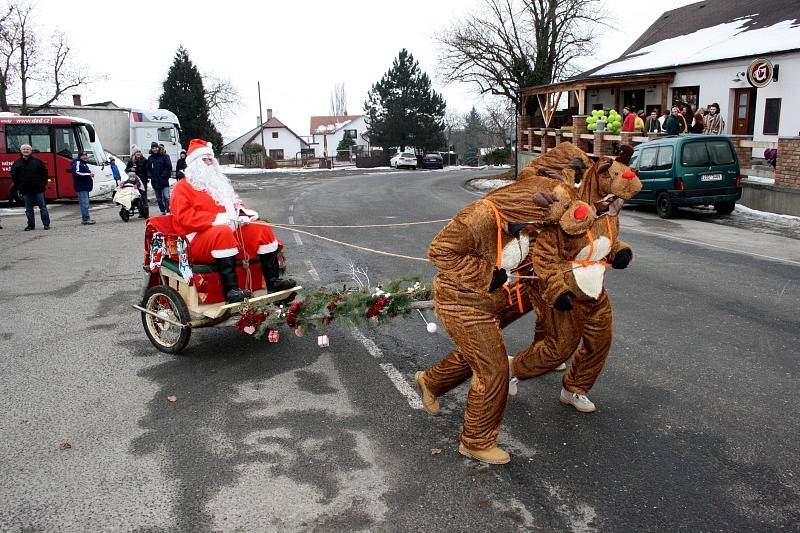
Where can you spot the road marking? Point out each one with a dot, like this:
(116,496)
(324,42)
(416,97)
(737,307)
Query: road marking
(391,372)
(402,385)
(312,271)
(297,239)
(708,245)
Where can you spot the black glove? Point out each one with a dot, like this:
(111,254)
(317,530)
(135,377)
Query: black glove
(564,301)
(499,277)
(622,259)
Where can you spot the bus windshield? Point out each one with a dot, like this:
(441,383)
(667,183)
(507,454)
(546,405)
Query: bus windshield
(96,154)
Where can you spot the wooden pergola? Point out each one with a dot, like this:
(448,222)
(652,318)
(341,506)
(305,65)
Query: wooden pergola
(549,96)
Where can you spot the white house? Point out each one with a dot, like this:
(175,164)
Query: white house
(280,141)
(328,131)
(743,55)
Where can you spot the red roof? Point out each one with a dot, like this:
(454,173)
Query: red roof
(337,121)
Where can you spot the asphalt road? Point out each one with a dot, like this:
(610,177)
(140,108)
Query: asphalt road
(696,428)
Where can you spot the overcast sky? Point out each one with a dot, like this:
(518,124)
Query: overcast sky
(297,49)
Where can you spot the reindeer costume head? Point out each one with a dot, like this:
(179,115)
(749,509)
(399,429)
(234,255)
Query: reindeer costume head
(608,183)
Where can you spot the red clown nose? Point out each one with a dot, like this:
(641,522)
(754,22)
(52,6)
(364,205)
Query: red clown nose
(628,175)
(581,212)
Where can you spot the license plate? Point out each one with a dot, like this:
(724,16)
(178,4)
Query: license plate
(711,177)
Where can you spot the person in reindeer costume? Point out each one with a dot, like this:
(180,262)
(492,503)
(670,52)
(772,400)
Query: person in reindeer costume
(209,214)
(484,244)
(572,304)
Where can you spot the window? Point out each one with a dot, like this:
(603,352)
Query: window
(274,134)
(686,96)
(165,135)
(720,153)
(772,116)
(647,161)
(276,154)
(695,155)
(66,143)
(351,133)
(664,159)
(37,135)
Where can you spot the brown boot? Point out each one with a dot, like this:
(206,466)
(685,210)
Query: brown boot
(429,402)
(492,456)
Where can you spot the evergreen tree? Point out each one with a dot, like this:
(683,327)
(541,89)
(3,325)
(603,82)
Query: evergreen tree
(184,95)
(403,110)
(473,128)
(346,142)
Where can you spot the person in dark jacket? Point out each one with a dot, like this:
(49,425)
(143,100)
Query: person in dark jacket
(674,125)
(180,166)
(138,164)
(29,175)
(652,125)
(82,182)
(159,170)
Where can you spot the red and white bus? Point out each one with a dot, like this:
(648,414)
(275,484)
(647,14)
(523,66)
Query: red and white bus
(56,140)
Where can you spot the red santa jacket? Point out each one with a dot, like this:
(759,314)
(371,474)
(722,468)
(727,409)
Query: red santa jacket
(195,211)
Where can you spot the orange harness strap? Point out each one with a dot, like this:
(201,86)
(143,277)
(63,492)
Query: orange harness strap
(499,224)
(591,247)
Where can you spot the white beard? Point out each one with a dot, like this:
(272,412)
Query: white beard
(208,178)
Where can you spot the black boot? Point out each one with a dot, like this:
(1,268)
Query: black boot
(271,271)
(230,283)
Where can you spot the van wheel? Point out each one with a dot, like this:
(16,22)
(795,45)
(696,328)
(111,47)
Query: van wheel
(725,208)
(664,206)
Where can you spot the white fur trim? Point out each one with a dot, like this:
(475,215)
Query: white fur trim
(221,219)
(198,152)
(221,254)
(249,212)
(590,278)
(191,236)
(267,248)
(515,251)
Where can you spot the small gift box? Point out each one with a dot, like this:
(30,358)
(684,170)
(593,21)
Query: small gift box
(273,336)
(323,341)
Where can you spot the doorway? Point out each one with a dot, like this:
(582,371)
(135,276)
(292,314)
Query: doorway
(633,99)
(744,111)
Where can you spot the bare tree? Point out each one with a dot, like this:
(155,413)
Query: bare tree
(222,98)
(31,68)
(509,44)
(499,121)
(338,103)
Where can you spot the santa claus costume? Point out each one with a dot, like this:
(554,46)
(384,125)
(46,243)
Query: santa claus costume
(209,214)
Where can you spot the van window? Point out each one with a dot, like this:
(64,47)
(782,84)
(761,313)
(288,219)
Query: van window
(695,155)
(37,135)
(648,159)
(720,153)
(664,159)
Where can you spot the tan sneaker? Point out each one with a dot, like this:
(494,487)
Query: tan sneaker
(492,456)
(561,367)
(429,402)
(579,401)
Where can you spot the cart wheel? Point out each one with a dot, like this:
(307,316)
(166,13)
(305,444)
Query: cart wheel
(167,303)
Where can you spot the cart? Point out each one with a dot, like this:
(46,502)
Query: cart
(180,296)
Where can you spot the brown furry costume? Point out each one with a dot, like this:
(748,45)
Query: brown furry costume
(468,257)
(575,265)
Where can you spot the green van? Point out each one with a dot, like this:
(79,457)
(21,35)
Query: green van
(686,170)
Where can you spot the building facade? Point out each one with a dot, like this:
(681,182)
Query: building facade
(279,141)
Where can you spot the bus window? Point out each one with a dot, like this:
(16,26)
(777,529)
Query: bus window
(36,135)
(88,146)
(66,143)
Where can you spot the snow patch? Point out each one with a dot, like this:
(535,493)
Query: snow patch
(744,210)
(723,41)
(759,179)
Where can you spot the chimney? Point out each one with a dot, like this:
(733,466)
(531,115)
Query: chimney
(76,100)
(269,113)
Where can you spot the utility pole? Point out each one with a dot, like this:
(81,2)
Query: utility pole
(261,124)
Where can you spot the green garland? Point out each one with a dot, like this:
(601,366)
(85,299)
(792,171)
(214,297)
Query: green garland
(352,306)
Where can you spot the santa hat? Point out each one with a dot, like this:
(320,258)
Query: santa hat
(198,148)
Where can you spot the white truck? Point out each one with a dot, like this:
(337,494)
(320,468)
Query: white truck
(125,129)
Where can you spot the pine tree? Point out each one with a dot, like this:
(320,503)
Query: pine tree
(473,128)
(346,142)
(184,95)
(403,110)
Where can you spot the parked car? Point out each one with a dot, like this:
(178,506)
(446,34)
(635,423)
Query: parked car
(432,160)
(403,159)
(688,170)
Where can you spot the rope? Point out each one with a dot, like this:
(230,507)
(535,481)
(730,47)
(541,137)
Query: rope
(248,284)
(362,248)
(366,225)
